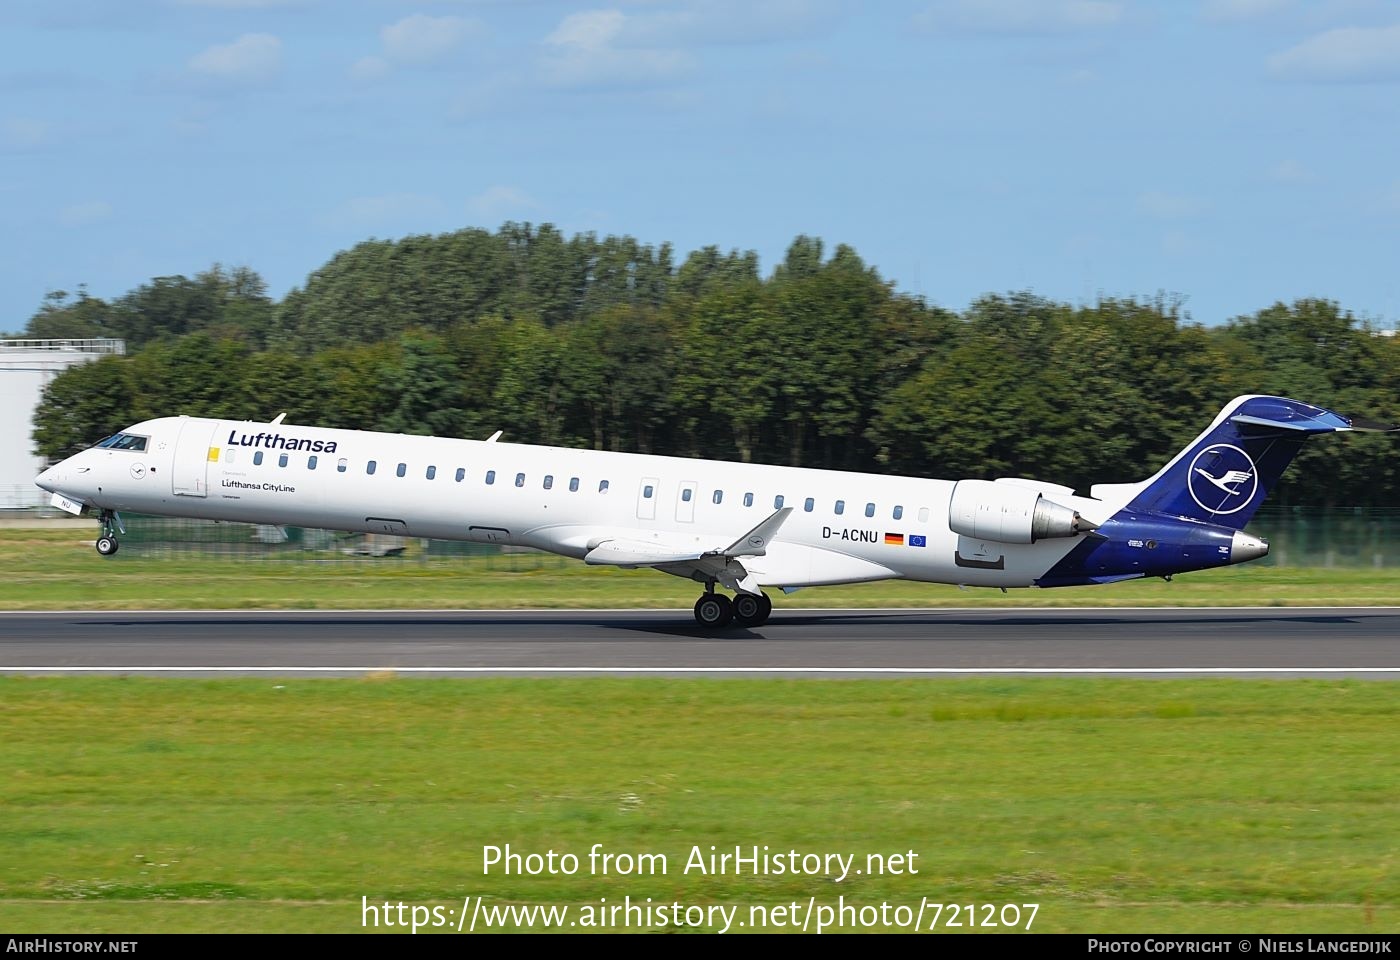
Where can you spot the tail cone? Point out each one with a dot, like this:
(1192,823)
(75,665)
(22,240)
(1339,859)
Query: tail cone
(1245,547)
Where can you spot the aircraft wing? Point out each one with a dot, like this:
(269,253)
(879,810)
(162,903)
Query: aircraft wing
(720,563)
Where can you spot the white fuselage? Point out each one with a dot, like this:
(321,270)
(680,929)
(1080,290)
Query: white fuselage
(844,527)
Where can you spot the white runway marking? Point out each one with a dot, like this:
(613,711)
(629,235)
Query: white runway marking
(566,612)
(893,671)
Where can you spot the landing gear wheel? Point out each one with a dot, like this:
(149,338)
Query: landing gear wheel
(713,610)
(750,609)
(107,545)
(767,602)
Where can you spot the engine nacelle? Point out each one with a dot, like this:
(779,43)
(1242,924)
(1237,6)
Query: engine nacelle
(1009,513)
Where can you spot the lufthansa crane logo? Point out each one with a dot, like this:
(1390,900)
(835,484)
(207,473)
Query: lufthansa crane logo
(1222,479)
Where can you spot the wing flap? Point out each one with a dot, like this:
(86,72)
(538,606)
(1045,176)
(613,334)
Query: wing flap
(637,553)
(720,564)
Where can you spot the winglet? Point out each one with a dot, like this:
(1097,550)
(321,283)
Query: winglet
(495,436)
(755,542)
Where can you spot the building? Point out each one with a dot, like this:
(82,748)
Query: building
(26,367)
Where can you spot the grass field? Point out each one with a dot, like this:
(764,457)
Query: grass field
(137,805)
(1118,806)
(49,569)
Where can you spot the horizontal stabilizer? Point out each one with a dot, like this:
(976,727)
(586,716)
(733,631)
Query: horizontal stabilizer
(1373,426)
(1330,423)
(1254,426)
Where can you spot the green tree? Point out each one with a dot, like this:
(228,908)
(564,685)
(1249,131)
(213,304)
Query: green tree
(728,378)
(83,404)
(62,318)
(422,384)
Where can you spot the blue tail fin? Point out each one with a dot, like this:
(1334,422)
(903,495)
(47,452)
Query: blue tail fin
(1224,474)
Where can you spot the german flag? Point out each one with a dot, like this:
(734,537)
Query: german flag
(894,539)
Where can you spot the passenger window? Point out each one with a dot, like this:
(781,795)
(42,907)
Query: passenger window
(748,499)
(718,497)
(923,514)
(282,460)
(432,473)
(840,507)
(808,504)
(573,484)
(228,455)
(257,459)
(403,469)
(647,491)
(778,502)
(685,494)
(370,467)
(602,486)
(311,462)
(549,481)
(461,474)
(870,509)
(341,465)
(520,479)
(490,477)
(899,513)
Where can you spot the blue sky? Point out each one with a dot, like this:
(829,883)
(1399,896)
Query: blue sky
(1233,152)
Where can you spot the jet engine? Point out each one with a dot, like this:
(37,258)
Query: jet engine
(1009,513)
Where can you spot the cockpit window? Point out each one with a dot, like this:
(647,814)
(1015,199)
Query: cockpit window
(124,441)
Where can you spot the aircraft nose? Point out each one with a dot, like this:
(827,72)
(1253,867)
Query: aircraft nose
(48,480)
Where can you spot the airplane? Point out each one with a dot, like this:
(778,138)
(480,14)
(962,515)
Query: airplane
(741,526)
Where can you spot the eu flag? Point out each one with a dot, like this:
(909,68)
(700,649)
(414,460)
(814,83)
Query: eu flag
(917,540)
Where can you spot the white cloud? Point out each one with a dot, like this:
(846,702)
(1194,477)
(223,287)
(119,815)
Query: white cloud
(81,214)
(590,30)
(1020,16)
(1176,243)
(695,22)
(594,48)
(1236,10)
(388,210)
(241,4)
(254,58)
(1346,54)
(1289,171)
(422,39)
(370,68)
(500,202)
(1391,199)
(26,133)
(1170,206)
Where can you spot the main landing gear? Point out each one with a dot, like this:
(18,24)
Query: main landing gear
(107,543)
(716,611)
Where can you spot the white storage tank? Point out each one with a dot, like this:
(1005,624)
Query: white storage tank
(26,367)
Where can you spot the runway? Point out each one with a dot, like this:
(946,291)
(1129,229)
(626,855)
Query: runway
(1250,642)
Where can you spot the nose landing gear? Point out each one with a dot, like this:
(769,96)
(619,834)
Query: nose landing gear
(107,543)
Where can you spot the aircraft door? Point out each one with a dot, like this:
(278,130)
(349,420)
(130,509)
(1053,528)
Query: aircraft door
(685,501)
(646,498)
(193,454)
